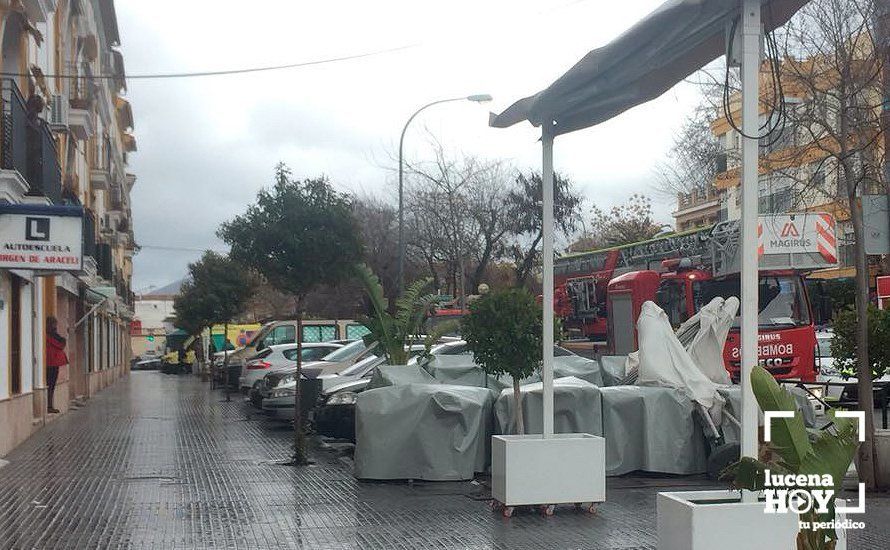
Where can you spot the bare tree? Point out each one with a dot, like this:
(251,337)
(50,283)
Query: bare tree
(822,143)
(838,70)
(695,157)
(457,225)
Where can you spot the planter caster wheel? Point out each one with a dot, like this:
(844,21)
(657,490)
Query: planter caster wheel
(507,511)
(591,509)
(548,510)
(494,505)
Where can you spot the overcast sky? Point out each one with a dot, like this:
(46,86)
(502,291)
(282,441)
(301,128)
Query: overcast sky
(206,145)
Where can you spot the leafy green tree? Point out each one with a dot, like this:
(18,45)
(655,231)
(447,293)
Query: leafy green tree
(215,291)
(525,216)
(298,235)
(844,344)
(629,222)
(503,330)
(394,333)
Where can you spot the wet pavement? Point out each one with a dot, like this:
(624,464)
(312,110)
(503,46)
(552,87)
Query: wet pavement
(160,461)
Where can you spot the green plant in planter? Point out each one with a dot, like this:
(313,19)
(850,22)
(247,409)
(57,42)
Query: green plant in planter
(793,451)
(503,330)
(394,333)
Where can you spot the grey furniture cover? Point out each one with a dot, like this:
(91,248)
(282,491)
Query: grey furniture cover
(435,432)
(394,375)
(612,369)
(577,408)
(733,395)
(651,429)
(463,371)
(579,367)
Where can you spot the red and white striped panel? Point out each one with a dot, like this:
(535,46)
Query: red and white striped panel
(826,240)
(759,239)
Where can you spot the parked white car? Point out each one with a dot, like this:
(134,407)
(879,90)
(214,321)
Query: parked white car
(281,356)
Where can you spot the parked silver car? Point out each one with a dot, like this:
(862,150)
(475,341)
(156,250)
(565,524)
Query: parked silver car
(281,356)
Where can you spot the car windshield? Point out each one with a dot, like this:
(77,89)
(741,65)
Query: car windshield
(346,352)
(260,334)
(309,353)
(781,299)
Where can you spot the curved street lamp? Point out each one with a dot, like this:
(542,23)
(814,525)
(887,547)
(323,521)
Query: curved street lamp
(478,98)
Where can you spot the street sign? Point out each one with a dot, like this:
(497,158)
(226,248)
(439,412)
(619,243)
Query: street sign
(877,224)
(798,234)
(41,237)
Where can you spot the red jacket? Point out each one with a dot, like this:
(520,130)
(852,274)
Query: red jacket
(55,351)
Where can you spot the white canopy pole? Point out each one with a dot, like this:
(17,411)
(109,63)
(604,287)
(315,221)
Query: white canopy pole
(547,206)
(750,22)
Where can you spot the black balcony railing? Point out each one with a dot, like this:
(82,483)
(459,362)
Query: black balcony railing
(105,261)
(14,131)
(44,172)
(27,144)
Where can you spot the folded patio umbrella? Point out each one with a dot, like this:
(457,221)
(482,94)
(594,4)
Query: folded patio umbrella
(669,44)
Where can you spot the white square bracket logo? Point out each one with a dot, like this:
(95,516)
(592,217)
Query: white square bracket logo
(858,415)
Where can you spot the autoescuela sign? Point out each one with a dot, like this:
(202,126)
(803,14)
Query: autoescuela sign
(41,238)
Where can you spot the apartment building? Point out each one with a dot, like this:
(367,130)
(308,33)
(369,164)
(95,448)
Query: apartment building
(65,136)
(798,168)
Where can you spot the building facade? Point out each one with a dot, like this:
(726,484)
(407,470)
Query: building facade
(66,134)
(798,168)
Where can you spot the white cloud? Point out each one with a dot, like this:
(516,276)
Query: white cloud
(206,145)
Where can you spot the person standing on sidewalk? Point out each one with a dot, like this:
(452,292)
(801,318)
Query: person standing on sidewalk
(55,358)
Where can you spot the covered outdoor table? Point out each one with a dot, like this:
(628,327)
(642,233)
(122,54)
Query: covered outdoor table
(396,375)
(462,370)
(733,396)
(579,367)
(434,432)
(577,407)
(613,369)
(651,429)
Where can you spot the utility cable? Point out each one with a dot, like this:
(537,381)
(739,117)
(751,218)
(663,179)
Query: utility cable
(221,72)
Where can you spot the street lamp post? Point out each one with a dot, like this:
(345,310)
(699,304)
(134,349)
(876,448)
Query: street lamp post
(479,98)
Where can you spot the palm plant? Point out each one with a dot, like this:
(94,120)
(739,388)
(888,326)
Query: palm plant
(395,332)
(793,451)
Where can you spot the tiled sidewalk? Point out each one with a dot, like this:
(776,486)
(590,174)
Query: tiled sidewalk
(160,461)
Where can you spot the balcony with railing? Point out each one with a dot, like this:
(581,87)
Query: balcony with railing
(100,165)
(28,156)
(696,197)
(44,171)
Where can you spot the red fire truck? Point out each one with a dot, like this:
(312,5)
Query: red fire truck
(599,294)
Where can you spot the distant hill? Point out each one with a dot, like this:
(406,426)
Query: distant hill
(172,289)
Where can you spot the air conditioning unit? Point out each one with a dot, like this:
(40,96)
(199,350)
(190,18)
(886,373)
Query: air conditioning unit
(58,112)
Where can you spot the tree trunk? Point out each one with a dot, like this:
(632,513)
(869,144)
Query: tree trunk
(518,422)
(528,261)
(299,458)
(866,466)
(226,360)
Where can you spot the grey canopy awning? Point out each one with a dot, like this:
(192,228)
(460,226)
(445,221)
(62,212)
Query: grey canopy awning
(669,44)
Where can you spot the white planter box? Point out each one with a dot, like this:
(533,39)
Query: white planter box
(702,520)
(564,468)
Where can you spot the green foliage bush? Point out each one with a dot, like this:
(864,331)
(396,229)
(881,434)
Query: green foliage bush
(843,345)
(503,330)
